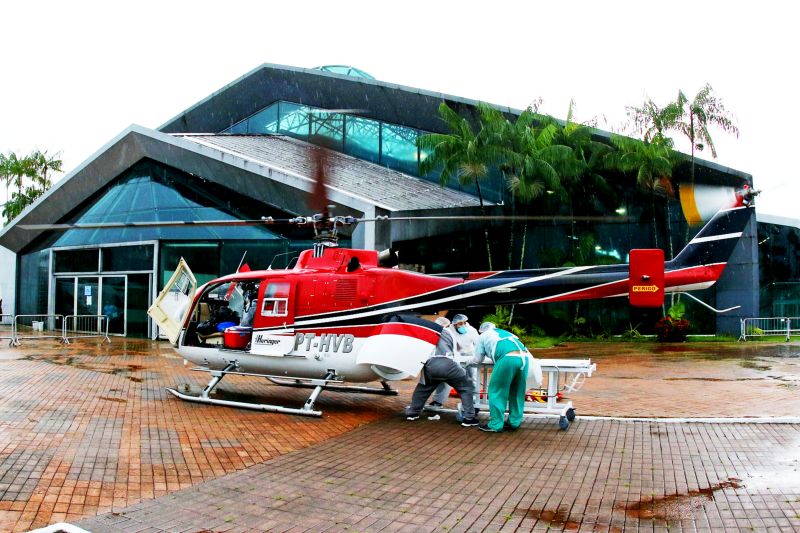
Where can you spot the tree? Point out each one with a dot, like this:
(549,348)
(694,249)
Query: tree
(465,154)
(532,156)
(691,119)
(651,163)
(31,175)
(42,165)
(653,122)
(695,117)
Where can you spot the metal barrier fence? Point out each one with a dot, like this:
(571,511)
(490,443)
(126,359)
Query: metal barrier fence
(85,327)
(769,327)
(36,327)
(7,328)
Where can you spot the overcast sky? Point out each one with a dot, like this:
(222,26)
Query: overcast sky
(75,74)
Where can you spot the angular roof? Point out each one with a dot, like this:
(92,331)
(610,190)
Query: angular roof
(268,83)
(272,169)
(374,99)
(383,187)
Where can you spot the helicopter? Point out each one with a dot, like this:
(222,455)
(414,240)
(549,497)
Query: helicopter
(339,315)
(344,316)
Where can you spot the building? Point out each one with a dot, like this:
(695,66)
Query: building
(243,153)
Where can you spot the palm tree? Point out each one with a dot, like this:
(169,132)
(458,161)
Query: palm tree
(695,117)
(17,169)
(463,153)
(530,165)
(532,156)
(5,174)
(652,122)
(43,164)
(652,163)
(582,181)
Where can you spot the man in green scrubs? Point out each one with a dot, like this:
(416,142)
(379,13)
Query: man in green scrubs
(508,383)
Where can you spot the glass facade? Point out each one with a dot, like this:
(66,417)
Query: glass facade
(390,145)
(112,270)
(149,192)
(76,261)
(346,70)
(779,269)
(32,282)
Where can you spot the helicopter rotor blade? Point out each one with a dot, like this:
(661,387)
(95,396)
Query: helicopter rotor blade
(265,221)
(540,218)
(301,221)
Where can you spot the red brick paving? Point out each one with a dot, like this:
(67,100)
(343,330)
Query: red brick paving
(88,429)
(688,380)
(395,475)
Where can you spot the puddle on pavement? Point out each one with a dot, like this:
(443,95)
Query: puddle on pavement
(714,379)
(557,518)
(754,365)
(105,366)
(676,507)
(112,399)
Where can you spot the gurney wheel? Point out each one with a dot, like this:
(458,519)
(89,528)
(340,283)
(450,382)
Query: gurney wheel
(563,423)
(571,415)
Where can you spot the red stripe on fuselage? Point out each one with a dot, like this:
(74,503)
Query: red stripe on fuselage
(686,276)
(692,275)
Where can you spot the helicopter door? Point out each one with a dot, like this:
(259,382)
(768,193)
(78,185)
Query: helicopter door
(174,302)
(276,304)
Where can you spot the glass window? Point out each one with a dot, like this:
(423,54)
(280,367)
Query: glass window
(293,119)
(153,192)
(362,138)
(275,307)
(125,258)
(239,127)
(399,148)
(276,299)
(256,255)
(265,121)
(85,260)
(327,128)
(202,258)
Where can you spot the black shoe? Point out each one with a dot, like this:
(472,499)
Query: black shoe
(412,417)
(509,427)
(435,405)
(486,427)
(467,422)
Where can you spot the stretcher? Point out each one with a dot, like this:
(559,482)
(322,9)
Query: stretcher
(559,376)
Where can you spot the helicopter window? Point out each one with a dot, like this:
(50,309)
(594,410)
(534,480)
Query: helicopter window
(276,300)
(275,307)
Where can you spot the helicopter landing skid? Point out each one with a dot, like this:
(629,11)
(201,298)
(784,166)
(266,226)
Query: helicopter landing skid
(385,390)
(217,375)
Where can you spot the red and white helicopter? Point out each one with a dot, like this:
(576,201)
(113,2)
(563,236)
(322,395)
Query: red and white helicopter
(339,316)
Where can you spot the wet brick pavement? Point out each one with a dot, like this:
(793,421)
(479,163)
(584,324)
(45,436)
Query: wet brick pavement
(395,475)
(88,430)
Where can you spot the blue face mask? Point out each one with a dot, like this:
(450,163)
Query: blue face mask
(461,329)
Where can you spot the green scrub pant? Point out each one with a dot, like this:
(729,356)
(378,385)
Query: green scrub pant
(507,388)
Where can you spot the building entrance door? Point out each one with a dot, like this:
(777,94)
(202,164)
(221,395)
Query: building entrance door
(87,296)
(113,303)
(122,298)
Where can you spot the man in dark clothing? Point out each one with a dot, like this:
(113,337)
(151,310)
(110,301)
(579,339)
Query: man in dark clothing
(441,367)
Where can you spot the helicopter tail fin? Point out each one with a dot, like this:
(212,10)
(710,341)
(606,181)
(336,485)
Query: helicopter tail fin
(714,244)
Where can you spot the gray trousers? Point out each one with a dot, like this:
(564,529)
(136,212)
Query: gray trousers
(442,370)
(443,390)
